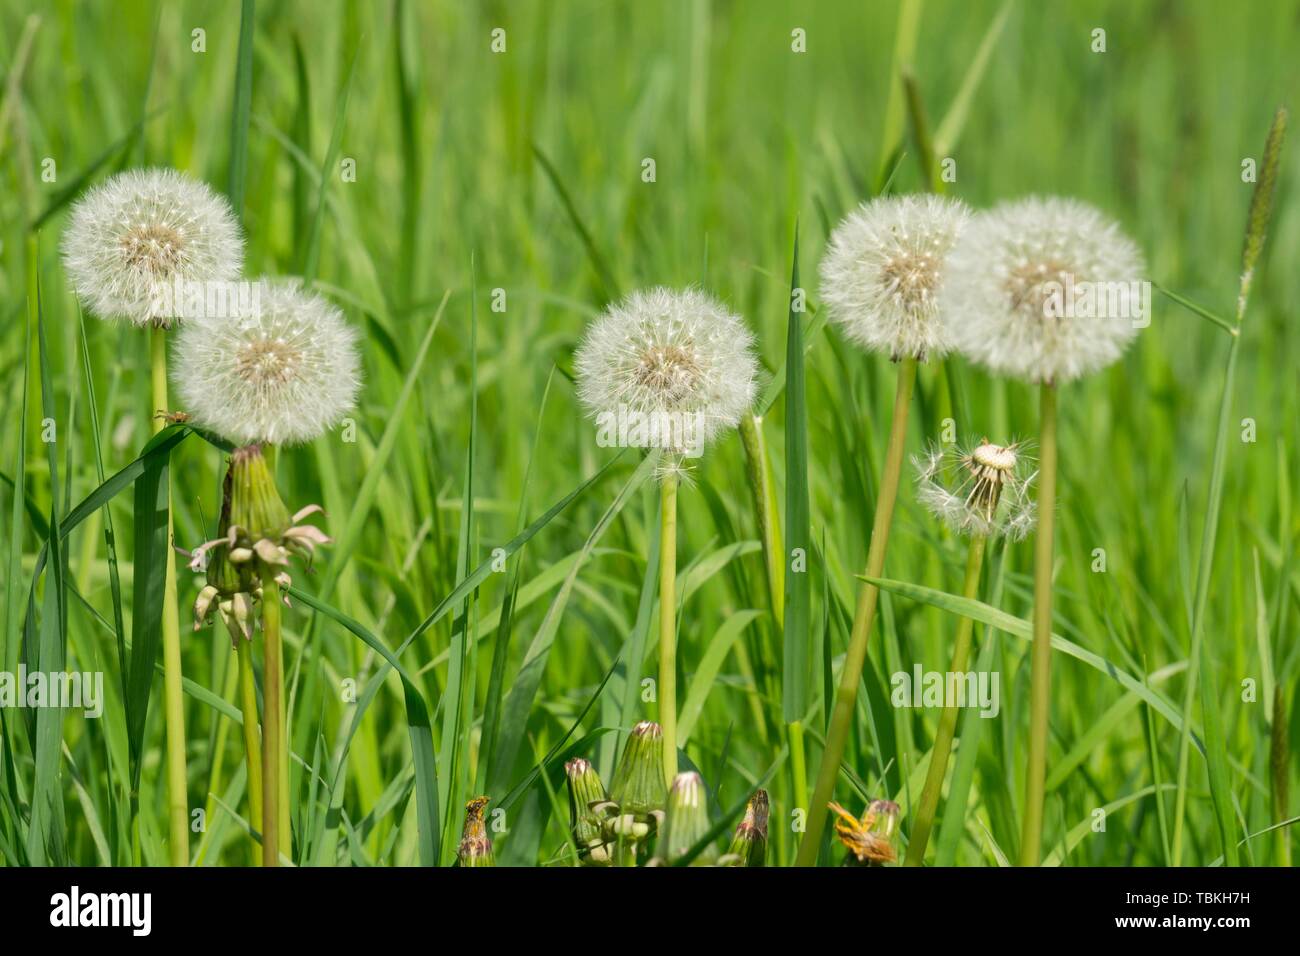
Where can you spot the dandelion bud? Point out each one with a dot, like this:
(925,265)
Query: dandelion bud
(586,794)
(255,505)
(749,845)
(227,579)
(638,786)
(686,821)
(475,847)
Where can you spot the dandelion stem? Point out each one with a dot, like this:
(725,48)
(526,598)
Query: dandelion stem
(668,621)
(252,745)
(173,699)
(272,720)
(846,695)
(920,835)
(1040,679)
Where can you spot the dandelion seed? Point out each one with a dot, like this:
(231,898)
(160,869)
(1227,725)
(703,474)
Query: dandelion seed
(883,271)
(1015,299)
(131,240)
(284,372)
(980,491)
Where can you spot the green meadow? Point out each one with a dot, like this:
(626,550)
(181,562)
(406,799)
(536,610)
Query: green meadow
(472,183)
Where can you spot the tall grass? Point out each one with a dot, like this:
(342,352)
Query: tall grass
(469,636)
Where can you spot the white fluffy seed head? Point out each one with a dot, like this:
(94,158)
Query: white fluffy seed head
(668,354)
(1015,296)
(132,238)
(884,268)
(283,371)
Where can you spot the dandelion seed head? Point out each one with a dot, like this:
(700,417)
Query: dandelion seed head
(883,271)
(981,491)
(134,237)
(669,354)
(283,372)
(1018,260)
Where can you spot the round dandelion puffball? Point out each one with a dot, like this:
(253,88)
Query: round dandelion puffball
(667,369)
(1044,290)
(882,273)
(283,371)
(136,240)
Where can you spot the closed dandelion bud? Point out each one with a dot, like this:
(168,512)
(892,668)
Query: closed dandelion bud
(686,821)
(586,793)
(475,845)
(749,845)
(229,584)
(255,505)
(638,786)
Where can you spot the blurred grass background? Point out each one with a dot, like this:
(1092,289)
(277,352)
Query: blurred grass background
(450,143)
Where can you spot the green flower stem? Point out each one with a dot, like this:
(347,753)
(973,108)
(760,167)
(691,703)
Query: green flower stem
(252,744)
(173,700)
(920,835)
(668,622)
(1040,671)
(837,735)
(272,720)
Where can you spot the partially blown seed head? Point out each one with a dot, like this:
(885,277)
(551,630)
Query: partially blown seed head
(669,356)
(284,372)
(882,273)
(981,491)
(132,238)
(1043,290)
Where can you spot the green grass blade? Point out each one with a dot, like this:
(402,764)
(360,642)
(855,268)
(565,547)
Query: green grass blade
(241,107)
(419,728)
(954,121)
(795,670)
(519,701)
(1019,627)
(609,286)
